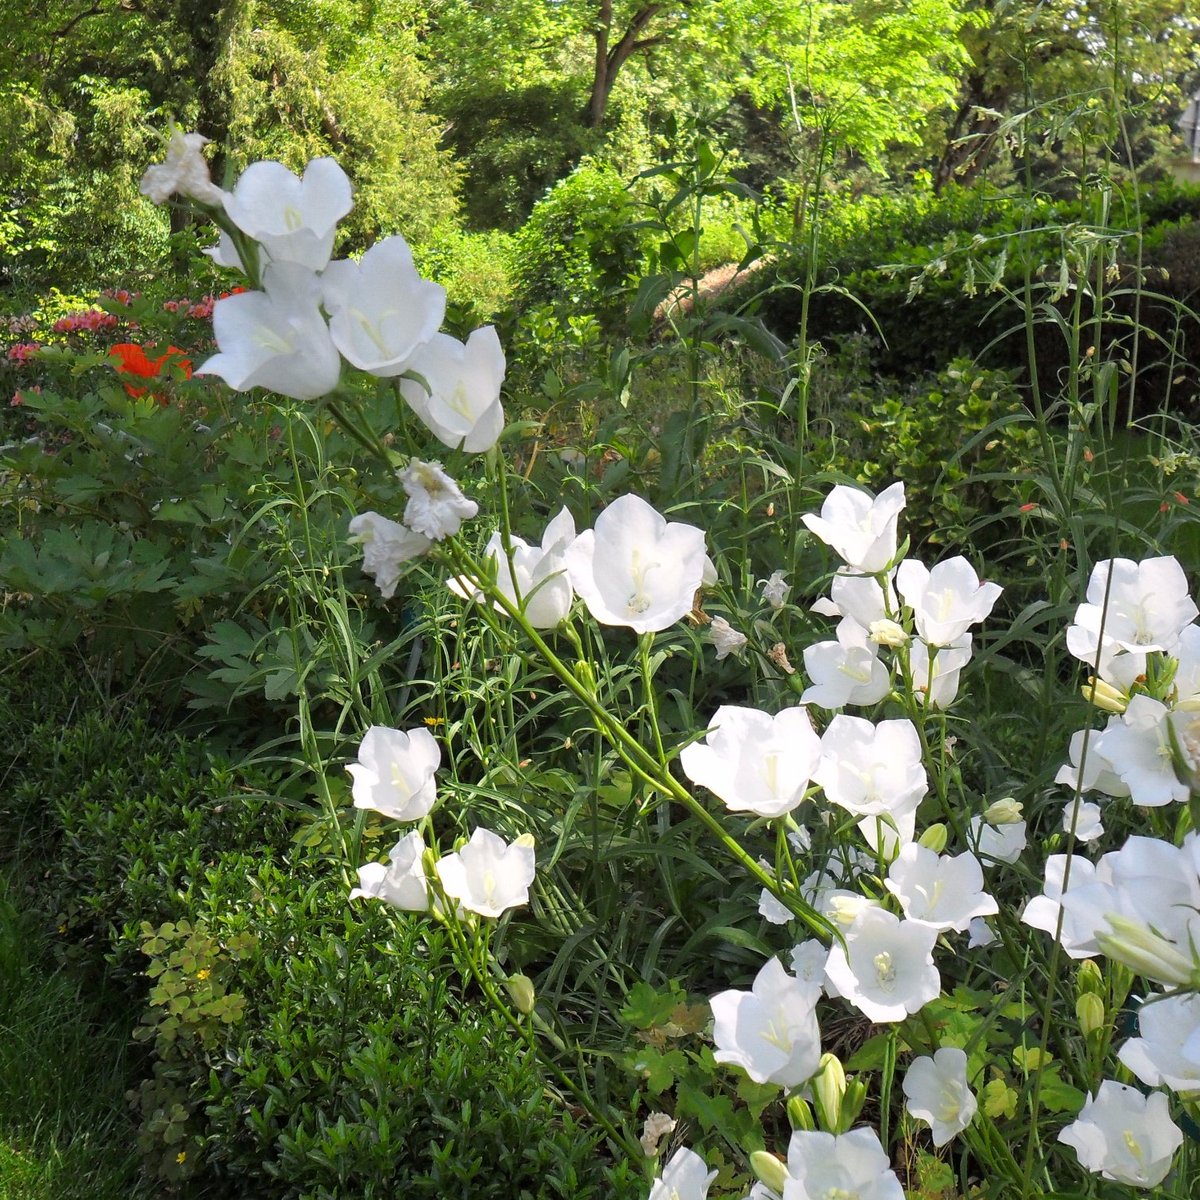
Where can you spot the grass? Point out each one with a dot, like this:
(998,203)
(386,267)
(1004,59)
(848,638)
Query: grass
(65,1131)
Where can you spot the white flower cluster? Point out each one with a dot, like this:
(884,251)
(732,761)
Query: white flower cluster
(394,775)
(376,312)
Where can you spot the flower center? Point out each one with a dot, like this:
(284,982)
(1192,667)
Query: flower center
(885,970)
(292,220)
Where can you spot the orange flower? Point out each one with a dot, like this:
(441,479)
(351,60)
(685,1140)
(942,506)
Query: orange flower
(132,360)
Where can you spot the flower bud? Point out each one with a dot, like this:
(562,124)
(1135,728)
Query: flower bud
(886,633)
(934,838)
(829,1088)
(852,1102)
(1147,953)
(769,1170)
(520,991)
(800,1115)
(1003,812)
(1104,696)
(585,674)
(1089,1009)
(1089,978)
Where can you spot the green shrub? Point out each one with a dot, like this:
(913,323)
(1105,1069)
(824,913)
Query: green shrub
(578,246)
(472,267)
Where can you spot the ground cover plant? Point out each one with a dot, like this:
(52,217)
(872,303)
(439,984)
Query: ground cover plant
(748,776)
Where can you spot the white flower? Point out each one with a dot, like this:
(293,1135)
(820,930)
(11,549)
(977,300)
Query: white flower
(808,962)
(874,772)
(1086,820)
(980,934)
(294,220)
(488,876)
(945,893)
(1137,744)
(772,910)
(886,967)
(275,339)
(538,574)
(938,1093)
(387,545)
(860,597)
(1124,1135)
(380,309)
(771,1031)
(436,506)
(885,632)
(775,590)
(462,406)
(753,761)
(847,671)
(1003,843)
(726,639)
(1098,773)
(685,1177)
(636,568)
(858,527)
(852,1166)
(936,671)
(1168,1051)
(1144,606)
(394,774)
(402,882)
(184,173)
(946,601)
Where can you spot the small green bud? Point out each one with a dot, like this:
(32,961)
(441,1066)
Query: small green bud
(800,1115)
(829,1088)
(1089,1008)
(796,683)
(1089,978)
(934,838)
(852,1103)
(520,989)
(585,674)
(769,1170)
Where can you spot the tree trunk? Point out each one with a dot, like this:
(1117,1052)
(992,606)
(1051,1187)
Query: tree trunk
(610,59)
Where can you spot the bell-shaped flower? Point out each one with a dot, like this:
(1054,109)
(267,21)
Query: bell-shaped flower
(936,1091)
(1138,745)
(461,406)
(939,891)
(1124,1135)
(770,1031)
(1089,768)
(1139,606)
(401,883)
(685,1177)
(380,309)
(775,590)
(947,600)
(936,670)
(294,220)
(184,173)
(860,597)
(488,876)
(537,580)
(275,339)
(999,841)
(1080,922)
(394,774)
(1084,819)
(885,969)
(808,963)
(847,671)
(436,507)
(753,761)
(822,1166)
(859,527)
(1167,1052)
(636,568)
(876,773)
(387,546)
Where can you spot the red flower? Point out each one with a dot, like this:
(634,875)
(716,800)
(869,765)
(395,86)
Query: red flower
(133,360)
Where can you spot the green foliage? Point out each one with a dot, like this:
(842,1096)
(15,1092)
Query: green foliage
(472,267)
(578,247)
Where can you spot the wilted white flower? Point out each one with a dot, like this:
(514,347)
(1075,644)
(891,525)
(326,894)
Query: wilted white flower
(657,1126)
(387,546)
(775,590)
(184,173)
(726,639)
(436,506)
